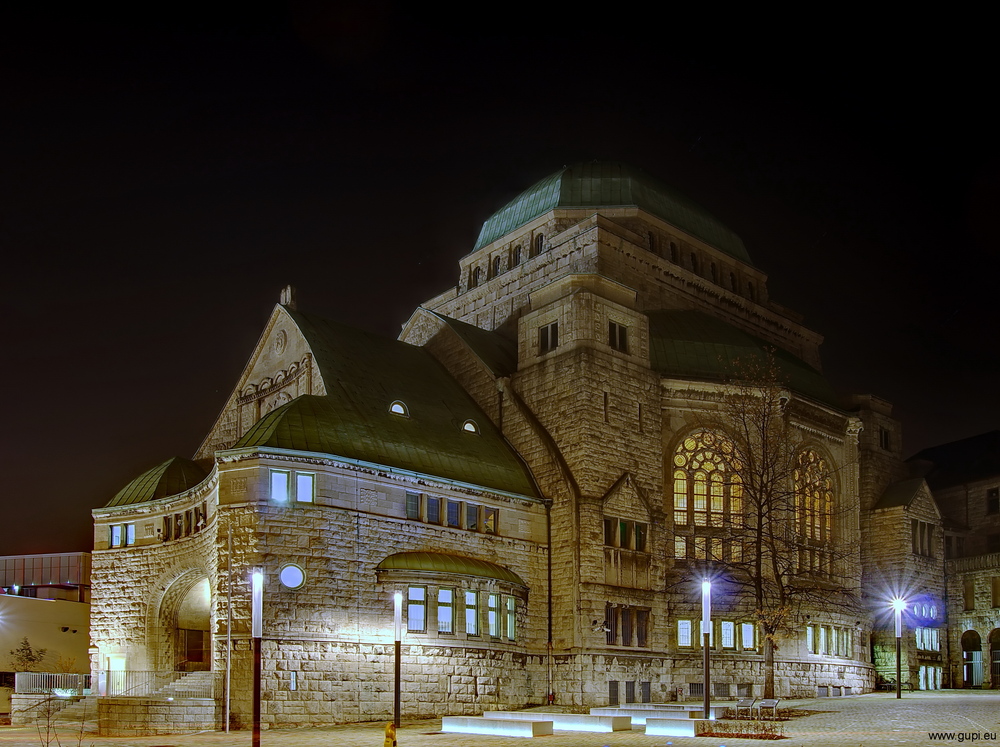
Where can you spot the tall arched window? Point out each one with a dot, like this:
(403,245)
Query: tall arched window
(477,275)
(708,490)
(814,512)
(515,259)
(539,244)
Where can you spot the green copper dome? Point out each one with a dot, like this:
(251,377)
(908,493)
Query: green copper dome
(600,184)
(172,477)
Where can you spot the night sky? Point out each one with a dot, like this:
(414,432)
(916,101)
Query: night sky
(163,177)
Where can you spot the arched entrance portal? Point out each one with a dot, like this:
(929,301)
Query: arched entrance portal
(994,639)
(972,657)
(193,645)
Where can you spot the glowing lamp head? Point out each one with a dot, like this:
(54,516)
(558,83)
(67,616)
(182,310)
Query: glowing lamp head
(898,604)
(706,586)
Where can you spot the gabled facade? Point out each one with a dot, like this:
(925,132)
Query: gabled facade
(530,465)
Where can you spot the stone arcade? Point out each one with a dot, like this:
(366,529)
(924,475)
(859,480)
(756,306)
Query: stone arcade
(528,464)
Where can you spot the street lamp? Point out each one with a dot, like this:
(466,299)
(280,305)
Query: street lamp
(898,605)
(706,630)
(398,620)
(256,625)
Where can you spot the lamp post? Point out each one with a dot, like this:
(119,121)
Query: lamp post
(398,620)
(706,629)
(256,610)
(898,605)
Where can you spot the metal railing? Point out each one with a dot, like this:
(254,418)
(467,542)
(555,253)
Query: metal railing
(62,684)
(118,684)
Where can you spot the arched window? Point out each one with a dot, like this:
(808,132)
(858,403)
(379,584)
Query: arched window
(496,266)
(399,408)
(477,276)
(813,511)
(470,426)
(708,491)
(515,258)
(539,244)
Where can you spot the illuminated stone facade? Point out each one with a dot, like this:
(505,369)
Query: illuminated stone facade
(511,467)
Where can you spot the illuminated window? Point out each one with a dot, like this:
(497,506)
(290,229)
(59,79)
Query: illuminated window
(472,613)
(130,534)
(511,618)
(399,408)
(748,642)
(446,611)
(282,488)
(116,535)
(305,484)
(813,512)
(708,491)
(728,634)
(493,615)
(416,609)
(683,632)
(548,338)
(618,337)
(470,426)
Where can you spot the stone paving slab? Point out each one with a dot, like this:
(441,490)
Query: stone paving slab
(875,720)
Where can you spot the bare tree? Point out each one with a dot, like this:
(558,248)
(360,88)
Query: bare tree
(763,517)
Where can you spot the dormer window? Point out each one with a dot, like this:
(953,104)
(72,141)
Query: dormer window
(399,408)
(470,426)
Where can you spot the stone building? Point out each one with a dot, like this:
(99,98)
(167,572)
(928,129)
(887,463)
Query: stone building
(537,465)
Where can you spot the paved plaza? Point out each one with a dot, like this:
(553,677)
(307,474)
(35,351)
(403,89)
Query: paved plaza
(874,720)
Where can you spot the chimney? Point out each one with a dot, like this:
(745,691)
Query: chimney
(288,298)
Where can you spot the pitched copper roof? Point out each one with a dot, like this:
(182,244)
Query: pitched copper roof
(364,374)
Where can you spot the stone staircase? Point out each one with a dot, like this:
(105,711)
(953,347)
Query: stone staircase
(191,685)
(80,716)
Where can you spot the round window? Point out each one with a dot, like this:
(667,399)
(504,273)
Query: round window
(291,576)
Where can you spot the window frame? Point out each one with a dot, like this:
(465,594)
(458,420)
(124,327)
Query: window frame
(419,604)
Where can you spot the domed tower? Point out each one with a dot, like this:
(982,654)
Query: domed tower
(597,320)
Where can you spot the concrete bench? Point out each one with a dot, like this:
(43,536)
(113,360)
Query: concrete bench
(639,715)
(569,721)
(501,727)
(678,727)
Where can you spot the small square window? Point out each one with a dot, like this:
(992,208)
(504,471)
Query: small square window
(305,486)
(280,487)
